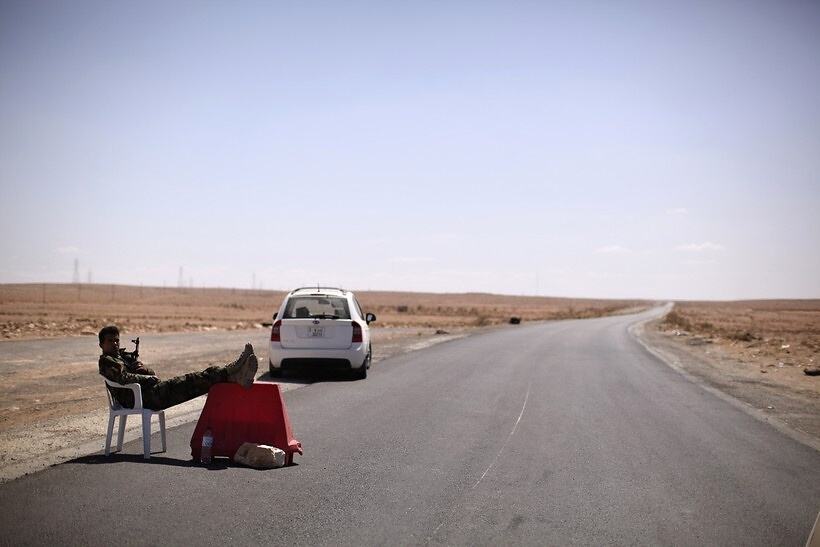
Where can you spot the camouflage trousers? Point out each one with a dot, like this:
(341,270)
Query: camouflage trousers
(183,388)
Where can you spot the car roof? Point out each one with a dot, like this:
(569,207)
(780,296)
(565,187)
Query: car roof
(318,291)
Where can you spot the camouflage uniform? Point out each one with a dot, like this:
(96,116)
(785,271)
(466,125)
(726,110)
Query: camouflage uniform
(157,394)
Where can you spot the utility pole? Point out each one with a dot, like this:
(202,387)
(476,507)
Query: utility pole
(181,282)
(76,277)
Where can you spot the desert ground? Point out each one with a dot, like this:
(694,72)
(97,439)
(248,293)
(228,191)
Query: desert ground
(778,337)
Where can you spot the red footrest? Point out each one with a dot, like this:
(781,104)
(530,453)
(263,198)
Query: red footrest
(236,415)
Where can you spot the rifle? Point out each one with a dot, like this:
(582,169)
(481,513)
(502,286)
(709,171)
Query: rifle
(132,355)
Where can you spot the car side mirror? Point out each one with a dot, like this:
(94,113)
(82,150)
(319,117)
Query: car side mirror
(369,317)
(274,315)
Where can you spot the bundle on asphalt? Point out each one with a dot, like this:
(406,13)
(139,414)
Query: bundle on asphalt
(260,456)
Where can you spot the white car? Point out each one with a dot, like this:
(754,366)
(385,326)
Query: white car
(321,327)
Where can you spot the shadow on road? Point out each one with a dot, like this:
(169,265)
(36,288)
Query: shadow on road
(218,464)
(96,459)
(308,377)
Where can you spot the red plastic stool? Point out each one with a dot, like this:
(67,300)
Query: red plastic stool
(236,415)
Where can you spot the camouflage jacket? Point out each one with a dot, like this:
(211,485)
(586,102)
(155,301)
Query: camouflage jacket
(125,371)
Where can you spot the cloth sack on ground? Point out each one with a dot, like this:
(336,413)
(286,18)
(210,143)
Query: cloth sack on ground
(260,456)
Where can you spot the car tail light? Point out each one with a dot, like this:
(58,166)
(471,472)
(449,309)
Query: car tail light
(274,332)
(357,333)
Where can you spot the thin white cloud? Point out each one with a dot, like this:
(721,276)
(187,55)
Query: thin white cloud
(678,211)
(68,250)
(411,259)
(613,250)
(700,247)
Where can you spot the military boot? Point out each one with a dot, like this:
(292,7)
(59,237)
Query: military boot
(243,370)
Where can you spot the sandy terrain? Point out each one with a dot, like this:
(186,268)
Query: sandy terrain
(756,351)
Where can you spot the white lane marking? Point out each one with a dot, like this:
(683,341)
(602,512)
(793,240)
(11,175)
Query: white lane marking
(515,426)
(503,446)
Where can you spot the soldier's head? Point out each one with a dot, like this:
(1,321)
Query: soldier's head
(110,340)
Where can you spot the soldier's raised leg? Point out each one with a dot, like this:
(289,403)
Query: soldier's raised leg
(180,389)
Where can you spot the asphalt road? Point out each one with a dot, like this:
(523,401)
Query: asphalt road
(548,434)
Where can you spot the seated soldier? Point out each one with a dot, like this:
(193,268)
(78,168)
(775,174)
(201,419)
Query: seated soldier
(160,394)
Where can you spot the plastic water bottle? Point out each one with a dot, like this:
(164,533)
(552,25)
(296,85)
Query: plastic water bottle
(207,446)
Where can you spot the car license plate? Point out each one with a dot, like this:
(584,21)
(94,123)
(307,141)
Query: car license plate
(317,332)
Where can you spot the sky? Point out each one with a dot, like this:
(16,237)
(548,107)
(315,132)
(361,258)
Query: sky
(587,149)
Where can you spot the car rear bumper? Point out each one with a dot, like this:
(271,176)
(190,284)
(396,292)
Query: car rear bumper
(331,359)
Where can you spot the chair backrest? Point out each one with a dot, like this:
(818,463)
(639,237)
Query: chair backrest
(113,404)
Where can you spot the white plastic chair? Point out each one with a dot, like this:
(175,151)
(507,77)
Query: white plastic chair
(116,409)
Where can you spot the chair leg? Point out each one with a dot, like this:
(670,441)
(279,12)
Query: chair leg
(162,428)
(121,436)
(146,435)
(108,434)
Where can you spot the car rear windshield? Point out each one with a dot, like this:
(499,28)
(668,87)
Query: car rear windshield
(324,307)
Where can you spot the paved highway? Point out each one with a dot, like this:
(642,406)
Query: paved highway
(548,434)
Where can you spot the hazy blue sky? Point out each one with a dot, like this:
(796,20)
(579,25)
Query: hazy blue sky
(602,149)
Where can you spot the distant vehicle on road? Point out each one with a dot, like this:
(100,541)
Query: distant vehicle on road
(321,327)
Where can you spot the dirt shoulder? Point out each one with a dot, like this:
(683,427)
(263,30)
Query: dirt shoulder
(765,386)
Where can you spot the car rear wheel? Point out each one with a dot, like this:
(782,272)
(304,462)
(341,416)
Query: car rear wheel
(361,372)
(274,372)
